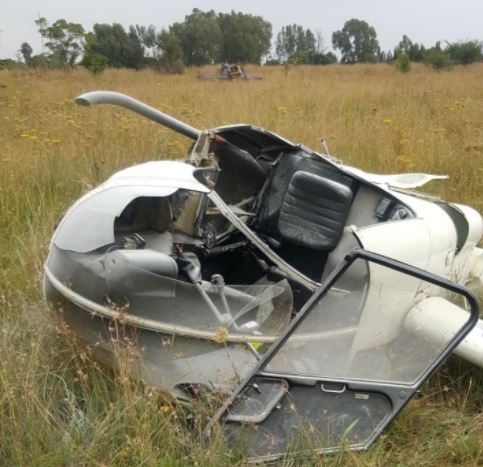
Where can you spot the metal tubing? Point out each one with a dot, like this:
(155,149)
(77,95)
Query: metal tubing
(223,319)
(116,98)
(253,238)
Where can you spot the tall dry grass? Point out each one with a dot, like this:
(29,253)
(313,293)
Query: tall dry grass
(57,407)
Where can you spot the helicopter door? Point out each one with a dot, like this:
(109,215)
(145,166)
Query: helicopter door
(335,378)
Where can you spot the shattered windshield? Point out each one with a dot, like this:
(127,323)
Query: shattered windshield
(89,224)
(225,309)
(206,310)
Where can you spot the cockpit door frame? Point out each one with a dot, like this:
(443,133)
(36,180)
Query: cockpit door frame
(273,387)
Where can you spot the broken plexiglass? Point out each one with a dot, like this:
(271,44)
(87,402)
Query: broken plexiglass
(89,224)
(247,309)
(345,370)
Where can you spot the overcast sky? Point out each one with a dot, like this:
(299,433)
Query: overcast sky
(424,21)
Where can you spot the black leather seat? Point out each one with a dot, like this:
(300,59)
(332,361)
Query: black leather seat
(314,211)
(280,177)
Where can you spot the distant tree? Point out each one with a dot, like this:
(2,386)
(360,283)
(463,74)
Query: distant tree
(64,40)
(93,61)
(327,58)
(295,44)
(403,63)
(200,37)
(465,52)
(39,61)
(244,38)
(136,47)
(26,51)
(381,55)
(437,58)
(170,53)
(8,64)
(414,51)
(322,56)
(120,48)
(357,42)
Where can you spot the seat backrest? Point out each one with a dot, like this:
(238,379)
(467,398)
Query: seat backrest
(314,211)
(285,168)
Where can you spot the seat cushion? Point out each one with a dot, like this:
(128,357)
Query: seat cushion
(314,211)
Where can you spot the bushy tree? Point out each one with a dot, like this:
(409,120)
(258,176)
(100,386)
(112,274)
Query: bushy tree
(321,58)
(203,38)
(403,63)
(94,62)
(199,36)
(26,51)
(357,42)
(170,53)
(295,44)
(65,41)
(91,60)
(244,38)
(121,49)
(437,58)
(8,64)
(465,52)
(39,61)
(413,50)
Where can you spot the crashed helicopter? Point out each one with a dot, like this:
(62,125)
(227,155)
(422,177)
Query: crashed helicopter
(317,294)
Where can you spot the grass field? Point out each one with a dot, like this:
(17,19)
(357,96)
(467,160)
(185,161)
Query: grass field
(57,406)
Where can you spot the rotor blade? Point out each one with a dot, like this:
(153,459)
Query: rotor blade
(115,98)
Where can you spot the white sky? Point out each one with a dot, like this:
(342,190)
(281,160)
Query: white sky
(424,21)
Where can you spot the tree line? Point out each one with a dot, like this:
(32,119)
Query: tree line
(206,37)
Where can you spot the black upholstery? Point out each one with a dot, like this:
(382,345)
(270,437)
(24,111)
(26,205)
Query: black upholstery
(314,211)
(289,164)
(240,176)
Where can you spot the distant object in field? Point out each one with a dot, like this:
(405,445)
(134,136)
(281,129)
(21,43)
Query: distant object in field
(229,71)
